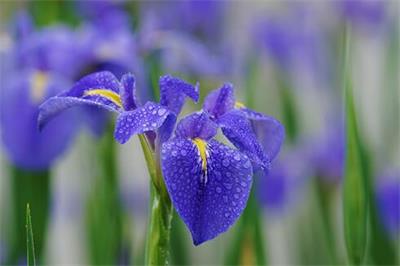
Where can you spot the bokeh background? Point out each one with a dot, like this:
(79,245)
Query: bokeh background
(284,59)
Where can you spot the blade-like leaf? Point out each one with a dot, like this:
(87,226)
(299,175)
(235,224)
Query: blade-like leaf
(355,180)
(30,247)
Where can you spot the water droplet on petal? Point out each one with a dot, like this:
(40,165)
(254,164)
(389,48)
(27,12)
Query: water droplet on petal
(218,189)
(161,111)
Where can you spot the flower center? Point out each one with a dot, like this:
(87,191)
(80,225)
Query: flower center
(239,105)
(108,94)
(39,82)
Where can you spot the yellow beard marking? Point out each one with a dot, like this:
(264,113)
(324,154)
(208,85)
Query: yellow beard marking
(202,148)
(109,95)
(39,82)
(239,105)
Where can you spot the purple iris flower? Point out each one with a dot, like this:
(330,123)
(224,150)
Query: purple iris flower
(21,94)
(209,183)
(104,90)
(388,200)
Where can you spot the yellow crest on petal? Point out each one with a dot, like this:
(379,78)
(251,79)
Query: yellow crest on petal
(39,81)
(108,94)
(239,105)
(202,148)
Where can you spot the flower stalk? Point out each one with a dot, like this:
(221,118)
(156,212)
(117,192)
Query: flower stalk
(161,211)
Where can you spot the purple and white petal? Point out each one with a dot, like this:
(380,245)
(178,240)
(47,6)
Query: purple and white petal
(220,101)
(173,92)
(211,199)
(196,125)
(149,117)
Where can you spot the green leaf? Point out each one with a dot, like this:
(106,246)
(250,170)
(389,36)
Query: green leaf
(30,246)
(355,195)
(32,187)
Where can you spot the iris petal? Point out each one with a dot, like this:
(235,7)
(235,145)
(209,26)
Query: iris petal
(128,92)
(238,129)
(209,203)
(146,118)
(173,92)
(99,89)
(269,131)
(196,125)
(219,101)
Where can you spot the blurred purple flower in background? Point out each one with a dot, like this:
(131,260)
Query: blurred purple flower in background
(327,153)
(279,190)
(200,19)
(295,41)
(21,95)
(42,64)
(364,13)
(186,43)
(388,200)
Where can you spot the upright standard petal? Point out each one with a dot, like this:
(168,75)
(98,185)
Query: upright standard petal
(269,131)
(219,101)
(146,118)
(237,128)
(99,89)
(128,92)
(209,184)
(173,92)
(196,125)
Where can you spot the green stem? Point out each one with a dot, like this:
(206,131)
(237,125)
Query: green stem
(158,237)
(30,246)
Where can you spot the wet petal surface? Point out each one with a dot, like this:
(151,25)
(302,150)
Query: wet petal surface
(146,118)
(196,125)
(173,92)
(211,199)
(219,101)
(238,129)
